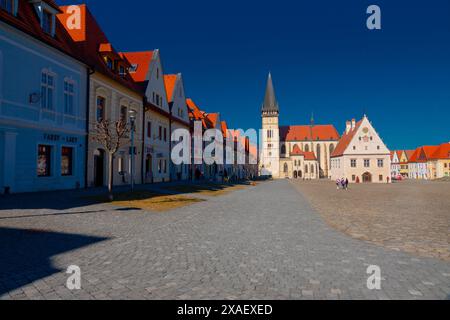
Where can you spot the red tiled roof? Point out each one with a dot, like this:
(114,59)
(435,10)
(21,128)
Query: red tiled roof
(28,22)
(224,128)
(296,151)
(345,141)
(308,133)
(442,152)
(92,44)
(143,62)
(194,111)
(212,118)
(414,157)
(170,81)
(409,153)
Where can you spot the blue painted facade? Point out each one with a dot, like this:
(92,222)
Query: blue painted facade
(27,122)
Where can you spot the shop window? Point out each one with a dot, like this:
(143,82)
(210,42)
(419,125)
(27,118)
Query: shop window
(44,161)
(67,161)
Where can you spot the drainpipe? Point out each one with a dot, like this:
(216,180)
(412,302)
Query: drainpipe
(90,71)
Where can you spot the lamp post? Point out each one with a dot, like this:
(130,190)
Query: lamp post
(132,129)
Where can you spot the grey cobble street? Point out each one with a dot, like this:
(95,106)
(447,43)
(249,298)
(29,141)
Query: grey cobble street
(243,245)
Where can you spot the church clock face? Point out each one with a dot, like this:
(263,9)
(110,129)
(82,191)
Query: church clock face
(366,130)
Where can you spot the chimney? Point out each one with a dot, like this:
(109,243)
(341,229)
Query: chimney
(353,124)
(348,127)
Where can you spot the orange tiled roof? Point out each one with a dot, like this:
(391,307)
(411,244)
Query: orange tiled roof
(224,127)
(28,22)
(345,141)
(170,81)
(92,44)
(308,133)
(142,60)
(296,151)
(409,153)
(442,152)
(194,111)
(415,156)
(212,118)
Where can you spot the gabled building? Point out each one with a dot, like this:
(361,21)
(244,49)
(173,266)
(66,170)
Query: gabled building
(43,84)
(361,155)
(418,165)
(440,162)
(147,71)
(404,157)
(112,95)
(395,164)
(179,119)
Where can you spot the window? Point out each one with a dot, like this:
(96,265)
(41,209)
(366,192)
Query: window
(380,178)
(157,73)
(165,134)
(353,163)
(149,129)
(159,166)
(157,99)
(366,163)
(109,63)
(44,161)
(47,22)
(165,166)
(66,161)
(47,90)
(100,112)
(380,163)
(286,168)
(124,114)
(69,96)
(353,178)
(354,147)
(122,71)
(8,5)
(160,133)
(133,68)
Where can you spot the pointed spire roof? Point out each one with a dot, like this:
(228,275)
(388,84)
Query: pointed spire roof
(270,101)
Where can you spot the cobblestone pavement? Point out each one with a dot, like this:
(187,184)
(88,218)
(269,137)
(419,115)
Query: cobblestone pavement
(263,242)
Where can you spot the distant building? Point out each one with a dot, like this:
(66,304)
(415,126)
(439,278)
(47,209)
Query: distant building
(440,162)
(404,158)
(361,156)
(395,164)
(179,119)
(42,101)
(301,152)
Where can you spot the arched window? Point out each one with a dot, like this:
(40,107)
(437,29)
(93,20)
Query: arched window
(306,168)
(331,149)
(307,148)
(283,149)
(286,168)
(312,168)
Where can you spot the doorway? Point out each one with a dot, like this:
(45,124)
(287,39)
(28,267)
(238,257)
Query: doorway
(99,168)
(367,177)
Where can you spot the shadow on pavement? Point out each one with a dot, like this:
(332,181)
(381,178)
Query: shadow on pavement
(25,255)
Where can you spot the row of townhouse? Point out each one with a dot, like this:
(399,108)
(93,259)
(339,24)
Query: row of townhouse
(423,163)
(59,78)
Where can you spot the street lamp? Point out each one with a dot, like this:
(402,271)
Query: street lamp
(132,114)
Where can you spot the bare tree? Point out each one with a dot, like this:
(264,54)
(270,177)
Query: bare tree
(112,136)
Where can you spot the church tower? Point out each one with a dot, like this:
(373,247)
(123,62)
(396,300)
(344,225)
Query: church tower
(270,140)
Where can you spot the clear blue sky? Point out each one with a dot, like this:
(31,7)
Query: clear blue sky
(322,57)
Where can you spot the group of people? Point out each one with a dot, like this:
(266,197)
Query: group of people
(342,184)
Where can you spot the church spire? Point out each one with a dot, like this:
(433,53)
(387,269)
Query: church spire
(270,101)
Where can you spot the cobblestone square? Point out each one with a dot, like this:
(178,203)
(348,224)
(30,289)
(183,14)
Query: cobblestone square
(259,242)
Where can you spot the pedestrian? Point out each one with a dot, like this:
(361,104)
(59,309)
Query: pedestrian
(338,183)
(346,184)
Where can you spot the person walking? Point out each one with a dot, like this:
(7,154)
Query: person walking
(346,184)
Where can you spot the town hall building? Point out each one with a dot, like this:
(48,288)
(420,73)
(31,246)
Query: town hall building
(294,152)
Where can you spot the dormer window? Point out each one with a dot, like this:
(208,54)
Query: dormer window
(47,22)
(47,16)
(109,63)
(122,71)
(133,68)
(9,5)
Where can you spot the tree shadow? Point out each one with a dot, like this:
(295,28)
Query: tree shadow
(25,255)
